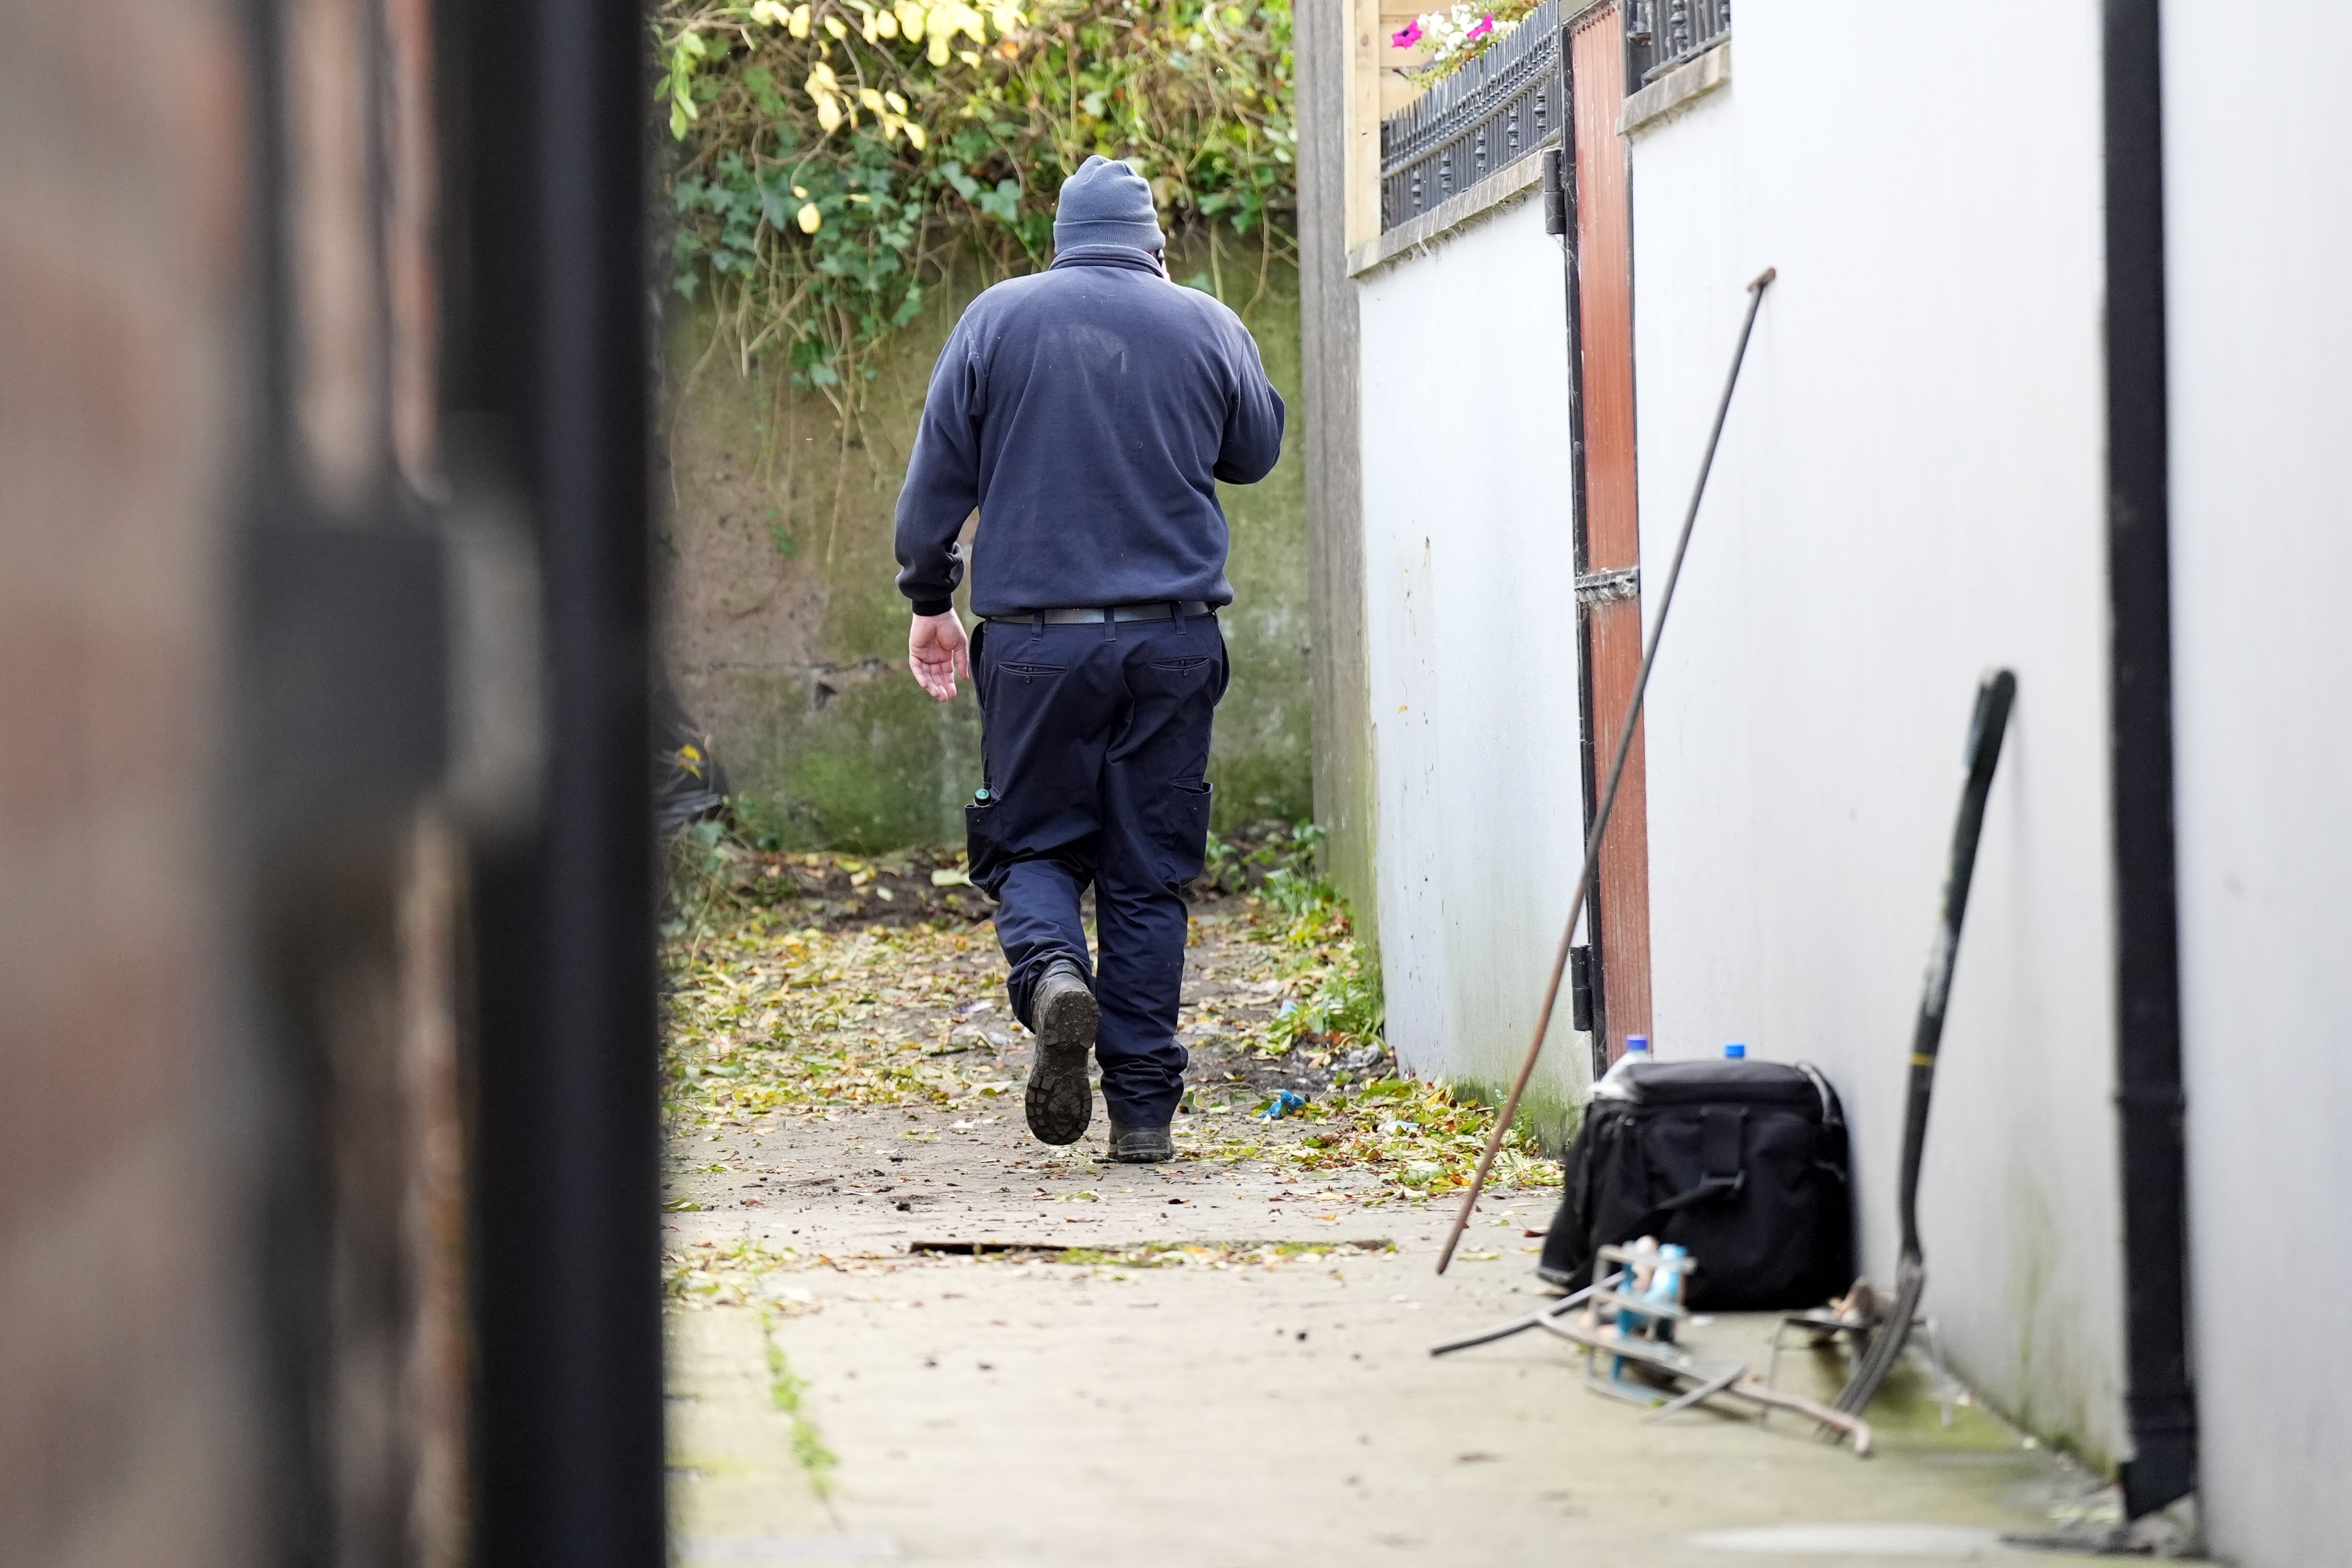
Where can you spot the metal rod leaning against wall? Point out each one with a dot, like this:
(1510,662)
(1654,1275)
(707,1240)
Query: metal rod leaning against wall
(1583,886)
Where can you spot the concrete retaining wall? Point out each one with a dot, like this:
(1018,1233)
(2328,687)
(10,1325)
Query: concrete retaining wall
(787,639)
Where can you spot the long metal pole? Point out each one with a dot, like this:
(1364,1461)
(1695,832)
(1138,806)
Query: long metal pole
(1609,794)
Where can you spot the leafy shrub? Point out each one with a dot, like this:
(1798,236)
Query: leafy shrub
(1269,856)
(840,157)
(1333,1008)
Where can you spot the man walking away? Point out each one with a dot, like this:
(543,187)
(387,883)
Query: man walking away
(1088,412)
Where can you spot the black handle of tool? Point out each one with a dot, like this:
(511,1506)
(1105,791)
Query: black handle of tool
(1995,695)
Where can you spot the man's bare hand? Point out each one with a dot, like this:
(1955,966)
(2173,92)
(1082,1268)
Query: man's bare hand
(937,653)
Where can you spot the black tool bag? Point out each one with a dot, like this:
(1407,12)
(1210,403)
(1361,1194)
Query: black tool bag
(1744,1162)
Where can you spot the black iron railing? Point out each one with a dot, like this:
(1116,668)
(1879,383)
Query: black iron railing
(1662,34)
(1484,118)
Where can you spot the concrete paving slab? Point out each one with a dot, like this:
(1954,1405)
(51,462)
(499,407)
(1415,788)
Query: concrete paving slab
(1228,1411)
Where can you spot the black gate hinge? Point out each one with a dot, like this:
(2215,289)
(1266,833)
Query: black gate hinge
(1555,191)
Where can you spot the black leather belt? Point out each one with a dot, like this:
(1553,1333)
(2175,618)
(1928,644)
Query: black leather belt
(1163,610)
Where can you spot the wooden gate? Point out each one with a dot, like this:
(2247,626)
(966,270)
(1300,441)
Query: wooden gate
(1608,543)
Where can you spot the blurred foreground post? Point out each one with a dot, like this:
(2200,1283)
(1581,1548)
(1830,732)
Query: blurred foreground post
(328,1185)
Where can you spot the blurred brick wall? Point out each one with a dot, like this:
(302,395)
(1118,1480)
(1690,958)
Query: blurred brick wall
(125,1428)
(232,1324)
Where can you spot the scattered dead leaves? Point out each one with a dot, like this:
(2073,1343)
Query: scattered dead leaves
(767,1013)
(766,1018)
(1416,1138)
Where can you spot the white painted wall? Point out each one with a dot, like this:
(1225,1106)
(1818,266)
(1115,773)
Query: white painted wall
(1910,492)
(1468,570)
(2259,218)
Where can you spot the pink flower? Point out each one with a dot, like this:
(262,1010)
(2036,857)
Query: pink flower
(1485,25)
(1404,38)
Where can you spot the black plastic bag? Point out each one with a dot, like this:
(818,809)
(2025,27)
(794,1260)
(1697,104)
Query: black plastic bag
(1744,1162)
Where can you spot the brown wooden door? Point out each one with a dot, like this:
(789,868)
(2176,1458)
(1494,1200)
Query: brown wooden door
(1609,601)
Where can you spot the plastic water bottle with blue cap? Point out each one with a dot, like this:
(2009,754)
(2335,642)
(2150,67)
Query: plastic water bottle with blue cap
(1613,1084)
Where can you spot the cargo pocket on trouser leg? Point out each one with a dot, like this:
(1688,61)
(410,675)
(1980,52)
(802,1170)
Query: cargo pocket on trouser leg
(1182,840)
(984,854)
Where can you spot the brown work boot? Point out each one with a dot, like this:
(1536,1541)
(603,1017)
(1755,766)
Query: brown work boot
(1060,1102)
(1141,1145)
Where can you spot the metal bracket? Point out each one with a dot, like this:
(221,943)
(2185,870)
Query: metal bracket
(1580,988)
(1604,587)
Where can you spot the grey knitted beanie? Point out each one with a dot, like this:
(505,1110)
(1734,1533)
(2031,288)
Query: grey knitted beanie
(1106,202)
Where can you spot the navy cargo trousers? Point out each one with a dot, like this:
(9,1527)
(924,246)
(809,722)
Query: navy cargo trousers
(1094,738)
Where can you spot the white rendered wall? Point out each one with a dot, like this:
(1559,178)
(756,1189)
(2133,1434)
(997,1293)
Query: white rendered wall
(2258,214)
(1468,567)
(1909,493)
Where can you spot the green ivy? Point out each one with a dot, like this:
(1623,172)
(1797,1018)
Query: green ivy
(838,157)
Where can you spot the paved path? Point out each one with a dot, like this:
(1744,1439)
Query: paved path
(1234,1409)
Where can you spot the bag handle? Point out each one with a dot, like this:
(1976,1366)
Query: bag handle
(1831,1114)
(1722,1133)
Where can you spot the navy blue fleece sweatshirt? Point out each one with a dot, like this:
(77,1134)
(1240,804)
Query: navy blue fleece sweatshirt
(1087,411)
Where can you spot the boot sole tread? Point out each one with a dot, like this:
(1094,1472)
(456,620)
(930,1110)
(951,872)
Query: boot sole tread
(1060,1102)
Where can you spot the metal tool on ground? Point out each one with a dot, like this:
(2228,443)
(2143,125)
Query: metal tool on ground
(1989,722)
(1649,1367)
(1857,1318)
(1558,1306)
(1609,794)
(1641,1302)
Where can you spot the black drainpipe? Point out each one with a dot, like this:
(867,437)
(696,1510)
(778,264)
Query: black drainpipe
(2161,1404)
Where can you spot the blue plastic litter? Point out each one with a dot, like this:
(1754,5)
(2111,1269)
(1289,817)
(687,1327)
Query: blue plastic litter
(1284,1102)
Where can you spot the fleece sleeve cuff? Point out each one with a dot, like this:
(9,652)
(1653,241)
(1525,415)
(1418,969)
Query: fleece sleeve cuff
(933,607)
